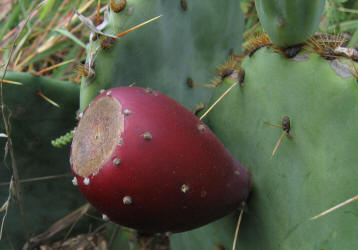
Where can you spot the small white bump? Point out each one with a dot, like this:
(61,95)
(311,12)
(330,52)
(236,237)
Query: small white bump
(86,181)
(74,181)
(108,93)
(105,217)
(201,127)
(237,172)
(120,143)
(127,112)
(185,188)
(80,115)
(127,200)
(101,91)
(147,136)
(116,161)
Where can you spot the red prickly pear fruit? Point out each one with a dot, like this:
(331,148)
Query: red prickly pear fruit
(148,163)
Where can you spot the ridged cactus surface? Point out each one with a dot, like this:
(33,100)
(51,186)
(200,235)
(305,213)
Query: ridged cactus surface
(313,169)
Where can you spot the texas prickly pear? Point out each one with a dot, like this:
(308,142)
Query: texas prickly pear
(148,163)
(290,22)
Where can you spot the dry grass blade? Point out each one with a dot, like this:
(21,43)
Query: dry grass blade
(38,179)
(17,30)
(80,242)
(5,206)
(83,9)
(5,7)
(43,46)
(59,225)
(88,23)
(335,207)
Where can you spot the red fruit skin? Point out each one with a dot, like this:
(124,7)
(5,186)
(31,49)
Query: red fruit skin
(182,151)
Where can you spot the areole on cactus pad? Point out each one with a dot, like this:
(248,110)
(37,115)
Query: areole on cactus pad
(294,125)
(148,163)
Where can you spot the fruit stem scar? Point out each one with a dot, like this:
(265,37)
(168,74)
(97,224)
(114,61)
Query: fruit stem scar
(97,135)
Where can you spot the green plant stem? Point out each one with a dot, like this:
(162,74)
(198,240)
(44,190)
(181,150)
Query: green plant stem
(90,91)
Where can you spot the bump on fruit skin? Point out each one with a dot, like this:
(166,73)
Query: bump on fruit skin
(180,179)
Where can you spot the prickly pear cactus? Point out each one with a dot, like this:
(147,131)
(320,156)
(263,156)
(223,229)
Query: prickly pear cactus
(33,123)
(181,48)
(293,123)
(290,22)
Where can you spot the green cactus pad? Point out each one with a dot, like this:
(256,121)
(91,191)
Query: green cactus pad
(290,22)
(216,235)
(33,123)
(311,172)
(188,41)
